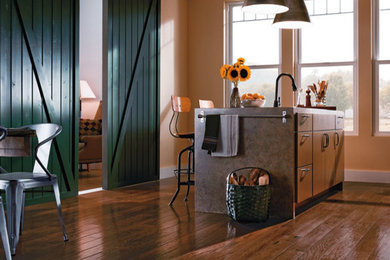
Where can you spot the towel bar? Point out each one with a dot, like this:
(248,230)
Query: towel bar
(283,116)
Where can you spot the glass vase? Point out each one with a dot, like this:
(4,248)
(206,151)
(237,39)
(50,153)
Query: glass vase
(320,101)
(235,101)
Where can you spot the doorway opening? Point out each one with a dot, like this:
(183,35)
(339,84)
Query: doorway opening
(91,95)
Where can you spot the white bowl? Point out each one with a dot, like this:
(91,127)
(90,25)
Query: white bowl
(252,103)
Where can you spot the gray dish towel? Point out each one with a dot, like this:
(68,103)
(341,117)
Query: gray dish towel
(228,137)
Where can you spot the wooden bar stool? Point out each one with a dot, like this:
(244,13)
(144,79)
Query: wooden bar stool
(182,105)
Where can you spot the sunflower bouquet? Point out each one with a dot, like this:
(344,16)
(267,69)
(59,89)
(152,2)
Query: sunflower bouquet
(235,73)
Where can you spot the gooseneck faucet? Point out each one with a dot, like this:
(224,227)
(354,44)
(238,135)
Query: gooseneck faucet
(277,100)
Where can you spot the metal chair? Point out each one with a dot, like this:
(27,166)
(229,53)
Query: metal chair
(15,183)
(3,224)
(182,105)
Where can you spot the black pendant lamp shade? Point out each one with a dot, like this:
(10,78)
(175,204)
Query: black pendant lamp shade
(265,6)
(296,17)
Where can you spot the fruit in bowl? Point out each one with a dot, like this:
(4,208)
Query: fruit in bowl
(252,100)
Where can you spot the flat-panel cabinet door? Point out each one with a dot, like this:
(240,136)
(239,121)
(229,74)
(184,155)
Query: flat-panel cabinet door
(339,155)
(330,173)
(319,161)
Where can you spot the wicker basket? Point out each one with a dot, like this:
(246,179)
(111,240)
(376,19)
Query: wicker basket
(247,203)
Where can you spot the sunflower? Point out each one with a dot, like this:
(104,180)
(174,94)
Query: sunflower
(233,74)
(223,71)
(244,73)
(241,61)
(237,65)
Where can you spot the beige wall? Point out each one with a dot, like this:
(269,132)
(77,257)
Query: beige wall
(173,73)
(206,55)
(365,151)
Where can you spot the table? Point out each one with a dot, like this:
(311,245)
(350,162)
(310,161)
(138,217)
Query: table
(17,143)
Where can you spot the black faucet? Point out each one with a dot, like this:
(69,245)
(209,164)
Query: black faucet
(277,100)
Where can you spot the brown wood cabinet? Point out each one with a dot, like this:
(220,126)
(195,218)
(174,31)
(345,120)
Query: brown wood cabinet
(326,158)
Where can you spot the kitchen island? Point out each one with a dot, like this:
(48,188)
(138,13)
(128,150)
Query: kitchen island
(301,148)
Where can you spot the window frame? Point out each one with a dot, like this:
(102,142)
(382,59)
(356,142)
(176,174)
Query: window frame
(376,64)
(229,51)
(299,66)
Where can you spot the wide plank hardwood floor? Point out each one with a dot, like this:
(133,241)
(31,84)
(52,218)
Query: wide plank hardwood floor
(137,223)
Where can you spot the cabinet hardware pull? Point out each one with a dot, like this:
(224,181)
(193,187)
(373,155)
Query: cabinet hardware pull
(306,135)
(304,172)
(337,139)
(305,116)
(340,117)
(326,141)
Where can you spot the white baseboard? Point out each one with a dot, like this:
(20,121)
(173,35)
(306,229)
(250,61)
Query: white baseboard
(367,176)
(167,172)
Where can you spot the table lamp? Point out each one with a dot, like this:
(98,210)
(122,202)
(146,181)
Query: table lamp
(85,92)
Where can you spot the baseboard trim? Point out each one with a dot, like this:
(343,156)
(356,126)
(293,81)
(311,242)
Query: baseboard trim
(367,176)
(167,172)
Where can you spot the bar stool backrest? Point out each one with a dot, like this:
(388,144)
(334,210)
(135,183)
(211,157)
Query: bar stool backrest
(206,103)
(179,105)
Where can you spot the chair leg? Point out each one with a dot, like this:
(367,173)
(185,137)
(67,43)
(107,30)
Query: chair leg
(58,201)
(178,177)
(4,233)
(22,213)
(14,194)
(188,174)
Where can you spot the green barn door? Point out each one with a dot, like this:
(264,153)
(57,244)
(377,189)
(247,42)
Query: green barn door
(131,111)
(38,79)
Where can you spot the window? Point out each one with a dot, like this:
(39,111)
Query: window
(327,52)
(382,67)
(253,38)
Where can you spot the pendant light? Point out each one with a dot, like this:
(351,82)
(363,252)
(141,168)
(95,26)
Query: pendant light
(296,17)
(265,6)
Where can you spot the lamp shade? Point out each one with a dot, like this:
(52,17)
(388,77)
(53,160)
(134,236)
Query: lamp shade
(265,6)
(296,17)
(85,90)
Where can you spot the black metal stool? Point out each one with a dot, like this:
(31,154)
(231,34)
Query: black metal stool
(182,105)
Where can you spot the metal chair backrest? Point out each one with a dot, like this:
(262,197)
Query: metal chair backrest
(45,133)
(206,103)
(3,133)
(179,105)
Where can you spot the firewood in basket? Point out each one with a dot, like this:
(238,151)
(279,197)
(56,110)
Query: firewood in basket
(249,183)
(241,180)
(233,179)
(264,180)
(254,175)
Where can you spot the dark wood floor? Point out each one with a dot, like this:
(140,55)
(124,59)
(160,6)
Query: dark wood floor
(90,179)
(136,223)
(353,224)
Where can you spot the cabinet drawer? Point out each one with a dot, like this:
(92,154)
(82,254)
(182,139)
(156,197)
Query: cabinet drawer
(304,183)
(340,121)
(305,149)
(324,122)
(304,122)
